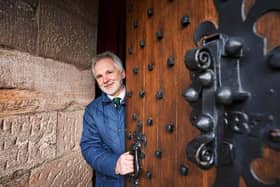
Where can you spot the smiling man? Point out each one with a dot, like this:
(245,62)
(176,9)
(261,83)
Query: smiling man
(103,137)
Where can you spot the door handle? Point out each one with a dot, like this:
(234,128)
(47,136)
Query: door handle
(136,163)
(135,150)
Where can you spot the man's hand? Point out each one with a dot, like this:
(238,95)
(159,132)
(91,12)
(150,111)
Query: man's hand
(125,164)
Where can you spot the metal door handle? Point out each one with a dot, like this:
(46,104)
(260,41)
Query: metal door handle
(136,163)
(135,150)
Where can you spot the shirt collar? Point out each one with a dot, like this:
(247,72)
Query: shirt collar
(121,95)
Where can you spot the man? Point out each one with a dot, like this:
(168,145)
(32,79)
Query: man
(103,137)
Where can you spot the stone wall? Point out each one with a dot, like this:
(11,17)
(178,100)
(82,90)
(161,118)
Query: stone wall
(45,83)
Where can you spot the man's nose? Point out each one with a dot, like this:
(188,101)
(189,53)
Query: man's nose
(105,79)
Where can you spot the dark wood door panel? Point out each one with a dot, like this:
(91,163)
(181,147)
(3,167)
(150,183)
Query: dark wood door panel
(151,40)
(171,111)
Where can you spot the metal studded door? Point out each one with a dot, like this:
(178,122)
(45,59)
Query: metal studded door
(202,107)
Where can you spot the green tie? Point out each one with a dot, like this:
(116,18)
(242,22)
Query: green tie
(117,102)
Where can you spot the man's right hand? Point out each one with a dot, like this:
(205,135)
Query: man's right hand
(124,164)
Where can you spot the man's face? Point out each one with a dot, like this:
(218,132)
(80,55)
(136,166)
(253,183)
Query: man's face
(108,76)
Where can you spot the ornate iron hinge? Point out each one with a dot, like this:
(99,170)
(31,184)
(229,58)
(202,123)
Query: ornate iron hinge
(234,106)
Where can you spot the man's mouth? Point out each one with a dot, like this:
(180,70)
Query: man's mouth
(109,85)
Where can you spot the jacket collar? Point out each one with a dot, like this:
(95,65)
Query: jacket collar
(106,100)
(121,95)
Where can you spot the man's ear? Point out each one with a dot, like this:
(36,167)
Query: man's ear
(123,74)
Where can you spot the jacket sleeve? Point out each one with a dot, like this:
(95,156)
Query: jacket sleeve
(94,151)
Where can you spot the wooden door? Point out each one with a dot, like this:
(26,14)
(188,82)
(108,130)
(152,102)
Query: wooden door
(158,35)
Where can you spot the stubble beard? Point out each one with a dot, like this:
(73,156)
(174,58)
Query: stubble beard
(117,85)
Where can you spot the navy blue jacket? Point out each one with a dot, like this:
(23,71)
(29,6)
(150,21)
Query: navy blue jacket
(103,140)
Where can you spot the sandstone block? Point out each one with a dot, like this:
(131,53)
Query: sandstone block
(19,178)
(35,84)
(18,27)
(69,131)
(70,171)
(87,10)
(65,35)
(26,141)
(62,30)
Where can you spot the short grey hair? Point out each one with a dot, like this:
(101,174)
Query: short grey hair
(107,54)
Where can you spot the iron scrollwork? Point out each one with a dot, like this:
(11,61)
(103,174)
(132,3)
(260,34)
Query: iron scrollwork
(233,104)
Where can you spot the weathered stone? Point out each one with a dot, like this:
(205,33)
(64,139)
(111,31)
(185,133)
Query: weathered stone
(69,131)
(13,101)
(20,178)
(86,11)
(70,171)
(66,36)
(18,27)
(39,148)
(24,71)
(26,141)
(35,84)
(63,30)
